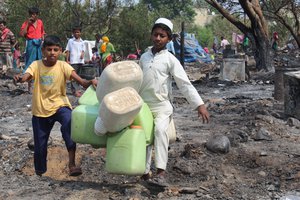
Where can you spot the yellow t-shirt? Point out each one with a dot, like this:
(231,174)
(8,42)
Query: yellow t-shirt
(49,92)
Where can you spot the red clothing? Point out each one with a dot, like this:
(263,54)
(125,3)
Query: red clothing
(16,54)
(275,36)
(32,32)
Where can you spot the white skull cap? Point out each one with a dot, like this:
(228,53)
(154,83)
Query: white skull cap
(165,21)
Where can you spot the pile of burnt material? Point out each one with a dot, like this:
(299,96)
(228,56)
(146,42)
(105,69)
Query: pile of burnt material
(284,62)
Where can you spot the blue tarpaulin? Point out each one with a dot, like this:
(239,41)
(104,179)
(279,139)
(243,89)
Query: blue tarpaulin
(193,51)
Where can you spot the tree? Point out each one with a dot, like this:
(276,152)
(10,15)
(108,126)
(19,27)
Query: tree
(131,29)
(257,31)
(285,12)
(172,9)
(59,16)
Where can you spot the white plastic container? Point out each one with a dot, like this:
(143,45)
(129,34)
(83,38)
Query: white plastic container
(119,108)
(119,75)
(171,131)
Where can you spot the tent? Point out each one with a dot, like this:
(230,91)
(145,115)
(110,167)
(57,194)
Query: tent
(193,52)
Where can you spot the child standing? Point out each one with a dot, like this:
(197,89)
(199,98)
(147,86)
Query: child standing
(50,102)
(158,66)
(16,56)
(75,56)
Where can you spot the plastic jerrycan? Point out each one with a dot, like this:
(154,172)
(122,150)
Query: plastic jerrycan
(171,131)
(119,75)
(126,152)
(119,108)
(82,126)
(145,120)
(89,97)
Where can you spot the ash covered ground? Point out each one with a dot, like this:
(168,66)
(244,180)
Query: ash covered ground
(263,161)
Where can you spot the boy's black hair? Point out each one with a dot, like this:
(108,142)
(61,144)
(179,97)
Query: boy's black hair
(33,10)
(3,22)
(98,35)
(163,27)
(51,40)
(76,28)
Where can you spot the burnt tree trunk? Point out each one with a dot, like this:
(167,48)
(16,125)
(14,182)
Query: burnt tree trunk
(262,49)
(262,55)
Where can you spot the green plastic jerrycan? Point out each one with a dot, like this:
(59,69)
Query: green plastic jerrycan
(126,152)
(145,119)
(89,97)
(82,126)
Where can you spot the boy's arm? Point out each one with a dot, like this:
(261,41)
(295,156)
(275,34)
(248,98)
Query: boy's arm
(82,55)
(82,51)
(24,28)
(188,90)
(83,82)
(68,56)
(20,79)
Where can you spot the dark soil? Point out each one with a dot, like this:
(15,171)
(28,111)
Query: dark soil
(254,168)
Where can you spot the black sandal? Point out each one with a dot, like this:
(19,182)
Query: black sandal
(158,180)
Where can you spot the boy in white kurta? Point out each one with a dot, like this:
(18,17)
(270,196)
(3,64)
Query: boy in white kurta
(159,66)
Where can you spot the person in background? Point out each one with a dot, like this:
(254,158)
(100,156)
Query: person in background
(95,56)
(75,56)
(215,45)
(98,41)
(170,46)
(107,51)
(159,66)
(96,60)
(245,44)
(50,103)
(223,44)
(16,56)
(33,31)
(275,41)
(7,40)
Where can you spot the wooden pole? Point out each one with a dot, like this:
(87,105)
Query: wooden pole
(182,45)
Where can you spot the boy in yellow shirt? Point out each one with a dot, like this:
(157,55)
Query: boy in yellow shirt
(50,102)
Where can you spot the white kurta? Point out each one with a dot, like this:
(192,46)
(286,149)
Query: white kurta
(156,90)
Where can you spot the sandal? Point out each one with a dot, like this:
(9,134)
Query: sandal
(158,180)
(75,171)
(145,177)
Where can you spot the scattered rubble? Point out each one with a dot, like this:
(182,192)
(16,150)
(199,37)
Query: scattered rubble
(263,161)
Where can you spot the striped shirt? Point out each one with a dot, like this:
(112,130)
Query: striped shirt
(6,44)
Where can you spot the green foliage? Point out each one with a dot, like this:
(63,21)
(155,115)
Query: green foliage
(172,9)
(126,23)
(221,27)
(204,35)
(133,31)
(283,17)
